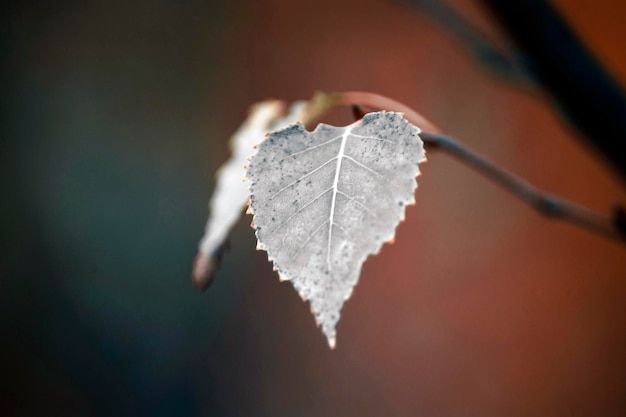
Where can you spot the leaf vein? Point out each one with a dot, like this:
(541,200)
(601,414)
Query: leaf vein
(363,166)
(311,236)
(373,138)
(352,199)
(301,208)
(303,177)
(307,149)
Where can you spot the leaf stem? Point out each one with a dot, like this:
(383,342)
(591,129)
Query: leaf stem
(385,103)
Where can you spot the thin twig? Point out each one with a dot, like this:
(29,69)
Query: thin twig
(548,205)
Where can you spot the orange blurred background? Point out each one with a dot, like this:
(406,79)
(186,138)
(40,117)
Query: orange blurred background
(120,115)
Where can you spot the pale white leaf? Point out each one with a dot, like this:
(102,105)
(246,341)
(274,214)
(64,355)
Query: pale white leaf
(231,193)
(323,201)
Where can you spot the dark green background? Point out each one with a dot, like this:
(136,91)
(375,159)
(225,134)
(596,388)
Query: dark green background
(108,149)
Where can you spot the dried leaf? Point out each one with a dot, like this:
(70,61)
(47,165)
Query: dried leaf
(323,201)
(231,193)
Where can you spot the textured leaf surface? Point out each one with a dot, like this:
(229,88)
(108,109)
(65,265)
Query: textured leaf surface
(324,201)
(231,193)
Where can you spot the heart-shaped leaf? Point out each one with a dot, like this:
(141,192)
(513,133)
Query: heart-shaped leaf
(323,201)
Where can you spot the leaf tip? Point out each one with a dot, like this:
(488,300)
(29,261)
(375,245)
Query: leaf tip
(332,343)
(203,272)
(206,266)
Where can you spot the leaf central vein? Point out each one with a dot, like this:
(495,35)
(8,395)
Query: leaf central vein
(335,188)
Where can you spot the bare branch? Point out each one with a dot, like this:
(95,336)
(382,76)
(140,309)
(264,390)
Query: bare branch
(548,205)
(586,94)
(504,63)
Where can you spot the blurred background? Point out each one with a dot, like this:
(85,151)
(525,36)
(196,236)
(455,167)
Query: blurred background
(115,116)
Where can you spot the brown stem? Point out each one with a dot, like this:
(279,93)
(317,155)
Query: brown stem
(546,204)
(381,102)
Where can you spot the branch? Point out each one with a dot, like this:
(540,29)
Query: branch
(545,204)
(505,63)
(548,205)
(589,98)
